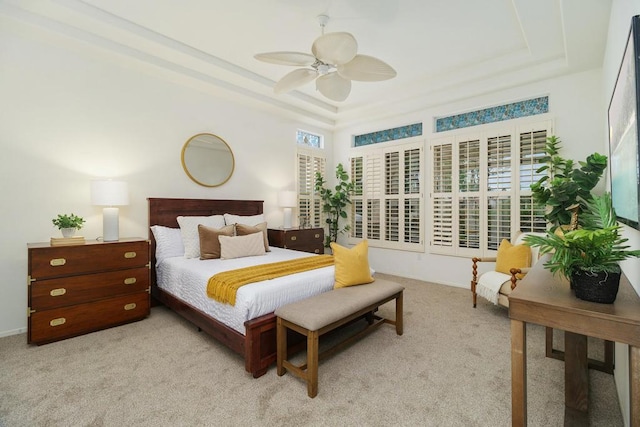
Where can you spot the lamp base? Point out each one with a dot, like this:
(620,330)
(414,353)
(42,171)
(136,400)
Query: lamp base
(110,225)
(286,223)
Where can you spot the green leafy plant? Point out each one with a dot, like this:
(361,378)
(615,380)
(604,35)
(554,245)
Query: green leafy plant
(334,202)
(68,221)
(566,188)
(596,247)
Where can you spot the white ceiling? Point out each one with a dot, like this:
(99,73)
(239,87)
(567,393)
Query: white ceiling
(442,50)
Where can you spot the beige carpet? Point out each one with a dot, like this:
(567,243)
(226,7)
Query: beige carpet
(450,368)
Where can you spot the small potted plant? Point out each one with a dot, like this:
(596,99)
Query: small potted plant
(68,224)
(589,256)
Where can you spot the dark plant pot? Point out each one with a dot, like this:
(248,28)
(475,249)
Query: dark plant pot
(599,287)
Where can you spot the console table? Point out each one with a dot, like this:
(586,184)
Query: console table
(545,300)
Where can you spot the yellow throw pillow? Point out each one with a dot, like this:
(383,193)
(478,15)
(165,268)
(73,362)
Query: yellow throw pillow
(510,256)
(352,265)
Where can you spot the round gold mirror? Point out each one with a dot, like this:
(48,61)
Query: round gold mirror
(208,160)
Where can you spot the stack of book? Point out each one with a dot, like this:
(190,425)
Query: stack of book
(64,241)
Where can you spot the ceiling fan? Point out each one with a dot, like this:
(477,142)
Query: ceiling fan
(333,65)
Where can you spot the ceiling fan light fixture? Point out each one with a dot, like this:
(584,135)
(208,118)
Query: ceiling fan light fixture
(333,65)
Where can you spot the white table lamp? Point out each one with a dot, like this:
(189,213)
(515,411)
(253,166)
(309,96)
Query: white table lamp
(109,194)
(287,200)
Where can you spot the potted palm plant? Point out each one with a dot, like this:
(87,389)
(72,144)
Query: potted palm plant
(588,256)
(68,224)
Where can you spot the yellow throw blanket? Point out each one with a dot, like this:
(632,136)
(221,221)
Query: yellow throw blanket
(222,287)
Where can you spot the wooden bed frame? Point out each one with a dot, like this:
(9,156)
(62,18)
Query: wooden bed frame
(258,346)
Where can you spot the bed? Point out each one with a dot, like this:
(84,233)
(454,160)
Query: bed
(258,343)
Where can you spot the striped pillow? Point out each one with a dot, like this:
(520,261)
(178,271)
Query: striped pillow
(241,246)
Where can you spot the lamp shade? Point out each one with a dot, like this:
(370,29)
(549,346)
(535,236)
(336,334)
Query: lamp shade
(287,199)
(109,193)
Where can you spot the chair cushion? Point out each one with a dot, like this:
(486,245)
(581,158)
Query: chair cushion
(512,256)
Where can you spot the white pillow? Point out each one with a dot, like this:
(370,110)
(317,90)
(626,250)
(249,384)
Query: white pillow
(240,219)
(189,230)
(241,246)
(168,242)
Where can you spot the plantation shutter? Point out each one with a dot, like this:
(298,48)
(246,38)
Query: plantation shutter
(309,203)
(469,194)
(392,188)
(442,196)
(532,154)
(373,194)
(412,191)
(480,187)
(388,199)
(499,185)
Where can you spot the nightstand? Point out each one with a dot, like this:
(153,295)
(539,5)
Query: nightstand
(299,239)
(76,289)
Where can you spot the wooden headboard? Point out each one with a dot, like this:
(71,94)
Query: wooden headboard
(166,211)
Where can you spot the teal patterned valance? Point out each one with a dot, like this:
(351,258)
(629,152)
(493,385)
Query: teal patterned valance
(388,135)
(515,110)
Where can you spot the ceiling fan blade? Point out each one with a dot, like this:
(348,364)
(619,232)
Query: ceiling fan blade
(298,59)
(335,48)
(295,79)
(366,68)
(333,86)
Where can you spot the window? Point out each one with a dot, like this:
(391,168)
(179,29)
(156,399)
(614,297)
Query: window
(388,198)
(480,190)
(308,139)
(309,203)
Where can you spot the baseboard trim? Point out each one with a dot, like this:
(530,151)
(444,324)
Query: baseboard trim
(12,332)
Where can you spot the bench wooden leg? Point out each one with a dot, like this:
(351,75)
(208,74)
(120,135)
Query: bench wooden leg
(399,316)
(312,363)
(281,346)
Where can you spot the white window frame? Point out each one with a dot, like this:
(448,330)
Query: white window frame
(449,244)
(373,189)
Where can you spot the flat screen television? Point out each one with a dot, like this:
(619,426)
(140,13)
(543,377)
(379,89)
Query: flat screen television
(624,145)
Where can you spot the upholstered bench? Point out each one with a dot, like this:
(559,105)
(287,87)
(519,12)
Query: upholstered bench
(325,312)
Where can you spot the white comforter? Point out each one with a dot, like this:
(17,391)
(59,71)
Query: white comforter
(187,279)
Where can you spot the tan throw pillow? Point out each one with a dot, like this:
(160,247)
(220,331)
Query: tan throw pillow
(209,243)
(510,256)
(189,230)
(352,265)
(244,229)
(241,246)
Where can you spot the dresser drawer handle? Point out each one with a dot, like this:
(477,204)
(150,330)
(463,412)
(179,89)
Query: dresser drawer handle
(317,235)
(57,292)
(130,254)
(317,251)
(130,306)
(293,238)
(57,322)
(57,262)
(130,280)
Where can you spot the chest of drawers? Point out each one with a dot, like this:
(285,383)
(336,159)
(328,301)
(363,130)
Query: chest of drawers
(73,290)
(299,239)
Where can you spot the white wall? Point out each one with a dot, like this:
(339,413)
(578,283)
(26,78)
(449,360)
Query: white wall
(69,115)
(619,23)
(575,104)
